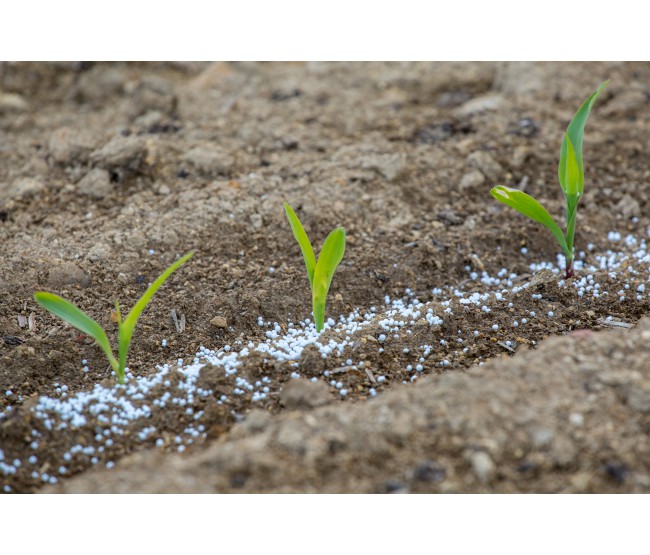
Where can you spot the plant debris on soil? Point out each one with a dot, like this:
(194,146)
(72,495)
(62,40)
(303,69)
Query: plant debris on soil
(455,357)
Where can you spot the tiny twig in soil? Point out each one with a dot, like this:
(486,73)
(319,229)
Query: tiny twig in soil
(506,346)
(614,323)
(179,323)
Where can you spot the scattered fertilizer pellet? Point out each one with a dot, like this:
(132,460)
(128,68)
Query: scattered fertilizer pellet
(112,411)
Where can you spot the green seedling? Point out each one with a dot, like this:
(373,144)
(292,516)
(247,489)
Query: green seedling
(572,180)
(80,320)
(319,272)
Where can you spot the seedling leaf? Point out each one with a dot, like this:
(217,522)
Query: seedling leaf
(305,245)
(77,318)
(528,206)
(573,180)
(575,132)
(128,325)
(118,312)
(571,176)
(328,260)
(74,316)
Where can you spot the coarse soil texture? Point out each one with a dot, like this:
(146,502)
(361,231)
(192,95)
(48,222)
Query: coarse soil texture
(456,358)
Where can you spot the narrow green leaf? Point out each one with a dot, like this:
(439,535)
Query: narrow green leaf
(77,318)
(128,325)
(528,206)
(573,180)
(328,260)
(118,312)
(575,132)
(303,241)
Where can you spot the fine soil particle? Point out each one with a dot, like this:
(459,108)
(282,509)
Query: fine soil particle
(109,174)
(558,419)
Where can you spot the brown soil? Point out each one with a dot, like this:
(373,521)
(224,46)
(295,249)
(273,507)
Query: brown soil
(103,164)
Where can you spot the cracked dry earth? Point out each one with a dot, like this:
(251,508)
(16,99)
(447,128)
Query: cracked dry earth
(456,358)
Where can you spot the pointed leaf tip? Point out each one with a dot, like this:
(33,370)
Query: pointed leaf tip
(575,131)
(303,241)
(501,191)
(127,326)
(328,260)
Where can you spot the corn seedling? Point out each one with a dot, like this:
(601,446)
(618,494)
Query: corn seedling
(80,320)
(319,272)
(571,177)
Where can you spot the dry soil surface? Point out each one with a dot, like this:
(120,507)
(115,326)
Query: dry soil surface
(457,359)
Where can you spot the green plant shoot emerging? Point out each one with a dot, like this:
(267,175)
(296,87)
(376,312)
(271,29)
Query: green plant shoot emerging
(80,320)
(571,176)
(319,272)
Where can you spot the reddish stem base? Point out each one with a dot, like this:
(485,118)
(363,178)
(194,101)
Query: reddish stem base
(569,269)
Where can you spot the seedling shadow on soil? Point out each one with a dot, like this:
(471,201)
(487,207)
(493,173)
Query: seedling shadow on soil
(121,200)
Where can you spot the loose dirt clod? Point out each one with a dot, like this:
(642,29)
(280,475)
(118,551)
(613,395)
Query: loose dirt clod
(304,395)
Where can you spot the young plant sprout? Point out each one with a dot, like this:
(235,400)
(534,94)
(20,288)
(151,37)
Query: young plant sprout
(319,273)
(80,320)
(571,176)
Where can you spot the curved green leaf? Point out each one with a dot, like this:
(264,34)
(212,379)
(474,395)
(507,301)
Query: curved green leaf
(573,178)
(575,132)
(128,325)
(328,260)
(528,206)
(574,182)
(77,318)
(305,245)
